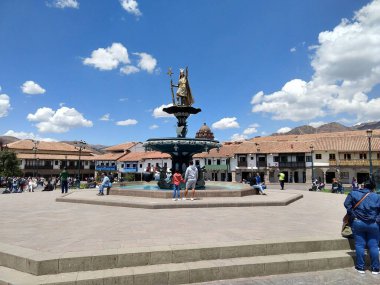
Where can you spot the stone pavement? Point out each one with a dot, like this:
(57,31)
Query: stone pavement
(347,276)
(36,221)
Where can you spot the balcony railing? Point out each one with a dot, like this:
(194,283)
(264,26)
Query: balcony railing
(354,162)
(261,164)
(294,164)
(242,164)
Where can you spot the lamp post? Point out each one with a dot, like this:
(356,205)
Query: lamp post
(312,162)
(369,136)
(80,145)
(35,148)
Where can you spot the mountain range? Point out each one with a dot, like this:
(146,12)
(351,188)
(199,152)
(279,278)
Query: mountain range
(329,128)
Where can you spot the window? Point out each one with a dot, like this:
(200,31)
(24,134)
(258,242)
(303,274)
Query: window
(218,161)
(166,164)
(283,158)
(242,159)
(107,164)
(378,156)
(102,164)
(251,157)
(56,162)
(128,165)
(157,164)
(363,156)
(347,156)
(318,156)
(113,163)
(140,165)
(196,162)
(276,159)
(209,161)
(135,165)
(122,166)
(332,156)
(308,158)
(300,158)
(86,162)
(261,158)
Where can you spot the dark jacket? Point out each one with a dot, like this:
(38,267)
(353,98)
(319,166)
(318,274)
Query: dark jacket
(369,209)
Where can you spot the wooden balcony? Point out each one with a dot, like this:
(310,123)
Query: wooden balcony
(354,162)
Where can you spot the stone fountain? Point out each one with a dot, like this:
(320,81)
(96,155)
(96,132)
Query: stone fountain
(180,148)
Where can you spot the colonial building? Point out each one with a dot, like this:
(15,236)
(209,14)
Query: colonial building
(40,158)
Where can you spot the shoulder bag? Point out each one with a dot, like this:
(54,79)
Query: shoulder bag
(346,228)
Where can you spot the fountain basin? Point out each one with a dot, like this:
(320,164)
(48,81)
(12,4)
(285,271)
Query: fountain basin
(213,189)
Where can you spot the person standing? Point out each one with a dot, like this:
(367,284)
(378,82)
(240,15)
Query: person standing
(363,207)
(177,179)
(281,178)
(63,176)
(191,177)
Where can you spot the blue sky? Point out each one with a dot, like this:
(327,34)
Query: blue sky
(96,70)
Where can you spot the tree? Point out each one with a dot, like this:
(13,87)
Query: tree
(9,164)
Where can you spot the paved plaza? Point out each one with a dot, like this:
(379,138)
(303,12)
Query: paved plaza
(35,222)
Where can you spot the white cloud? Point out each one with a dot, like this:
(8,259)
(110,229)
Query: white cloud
(249,131)
(293,49)
(127,122)
(30,87)
(238,137)
(159,113)
(123,99)
(226,123)
(131,6)
(5,104)
(108,58)
(283,130)
(146,62)
(316,124)
(25,135)
(129,69)
(346,65)
(105,117)
(59,121)
(64,4)
(153,127)
(117,55)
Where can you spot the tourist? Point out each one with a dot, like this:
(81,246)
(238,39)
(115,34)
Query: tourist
(260,185)
(281,178)
(191,177)
(354,184)
(63,176)
(177,179)
(105,184)
(365,218)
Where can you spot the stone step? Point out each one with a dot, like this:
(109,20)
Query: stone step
(191,272)
(36,263)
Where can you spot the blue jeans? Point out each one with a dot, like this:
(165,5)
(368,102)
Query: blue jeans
(64,186)
(176,191)
(366,234)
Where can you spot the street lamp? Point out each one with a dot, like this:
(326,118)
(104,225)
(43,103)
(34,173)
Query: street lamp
(312,162)
(35,148)
(369,136)
(79,145)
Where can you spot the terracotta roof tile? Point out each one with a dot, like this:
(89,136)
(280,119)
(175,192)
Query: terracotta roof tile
(43,146)
(227,150)
(138,156)
(121,147)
